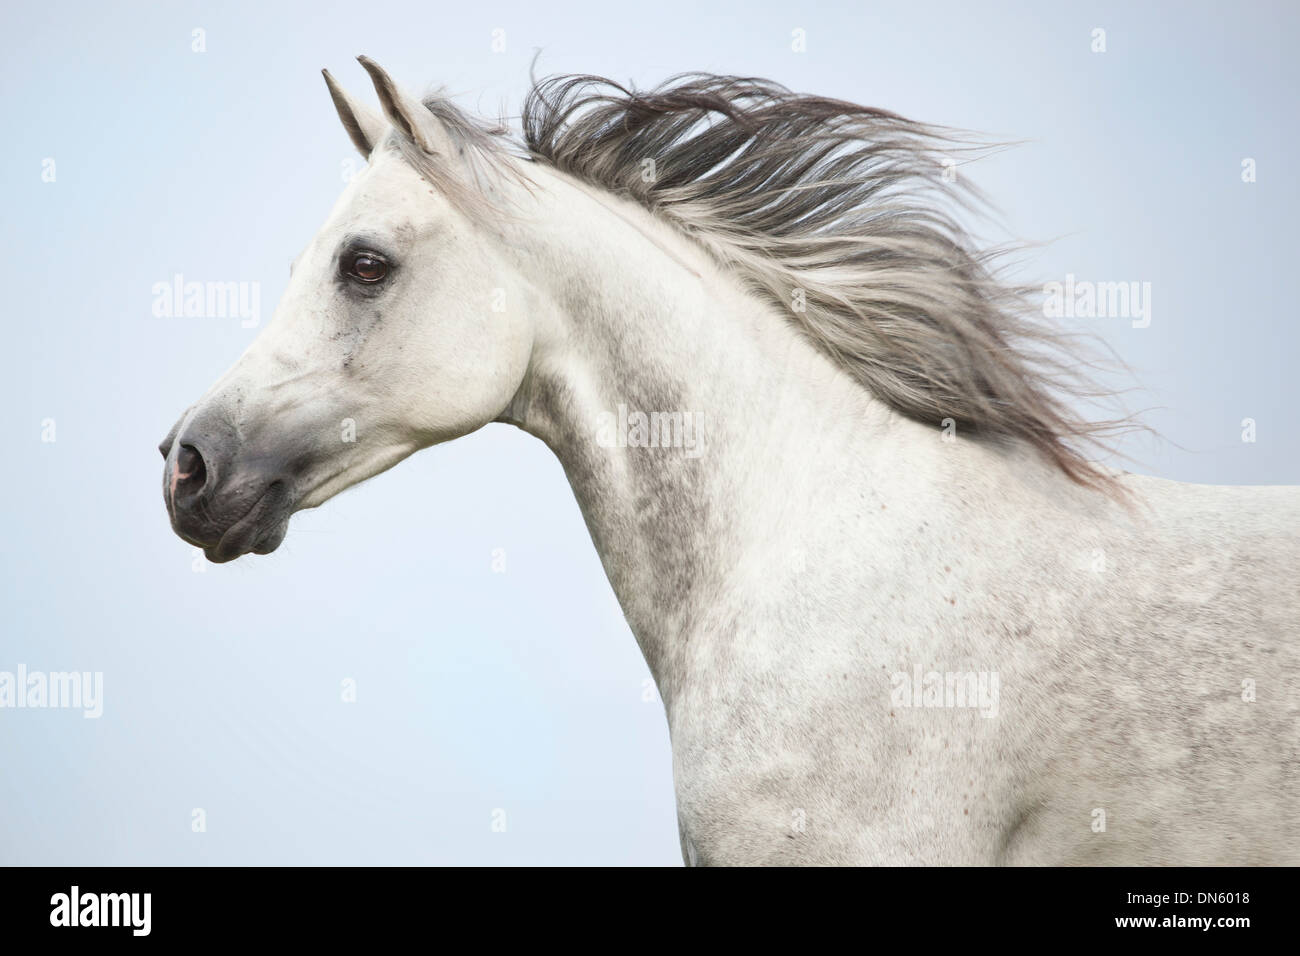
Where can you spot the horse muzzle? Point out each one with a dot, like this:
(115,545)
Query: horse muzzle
(225,498)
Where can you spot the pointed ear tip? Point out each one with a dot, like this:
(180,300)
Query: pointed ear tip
(374,69)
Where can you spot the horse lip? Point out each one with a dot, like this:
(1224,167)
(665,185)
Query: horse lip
(251,531)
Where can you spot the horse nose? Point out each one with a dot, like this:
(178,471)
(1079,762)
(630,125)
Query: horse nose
(190,474)
(196,451)
(165,446)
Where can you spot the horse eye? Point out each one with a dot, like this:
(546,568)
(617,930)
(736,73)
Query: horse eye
(366,267)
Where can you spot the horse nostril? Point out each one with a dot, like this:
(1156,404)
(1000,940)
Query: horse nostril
(191,474)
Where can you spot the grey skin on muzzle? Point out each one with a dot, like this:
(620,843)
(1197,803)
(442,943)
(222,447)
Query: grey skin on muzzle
(224,493)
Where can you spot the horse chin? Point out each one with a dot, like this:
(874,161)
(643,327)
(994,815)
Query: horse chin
(270,539)
(258,532)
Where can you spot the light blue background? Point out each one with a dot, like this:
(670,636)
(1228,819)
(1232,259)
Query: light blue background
(523,690)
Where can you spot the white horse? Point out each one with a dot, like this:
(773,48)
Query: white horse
(893,612)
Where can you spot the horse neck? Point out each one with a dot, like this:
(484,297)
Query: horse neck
(631,317)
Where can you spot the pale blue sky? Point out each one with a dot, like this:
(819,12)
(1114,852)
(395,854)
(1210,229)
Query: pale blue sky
(523,690)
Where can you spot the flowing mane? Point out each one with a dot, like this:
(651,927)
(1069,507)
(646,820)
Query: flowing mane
(843,216)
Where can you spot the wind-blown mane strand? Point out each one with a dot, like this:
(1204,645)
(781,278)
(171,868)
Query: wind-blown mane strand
(839,213)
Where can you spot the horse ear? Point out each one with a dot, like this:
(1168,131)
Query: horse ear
(406,112)
(363,126)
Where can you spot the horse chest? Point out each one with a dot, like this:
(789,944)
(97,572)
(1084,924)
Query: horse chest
(761,784)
